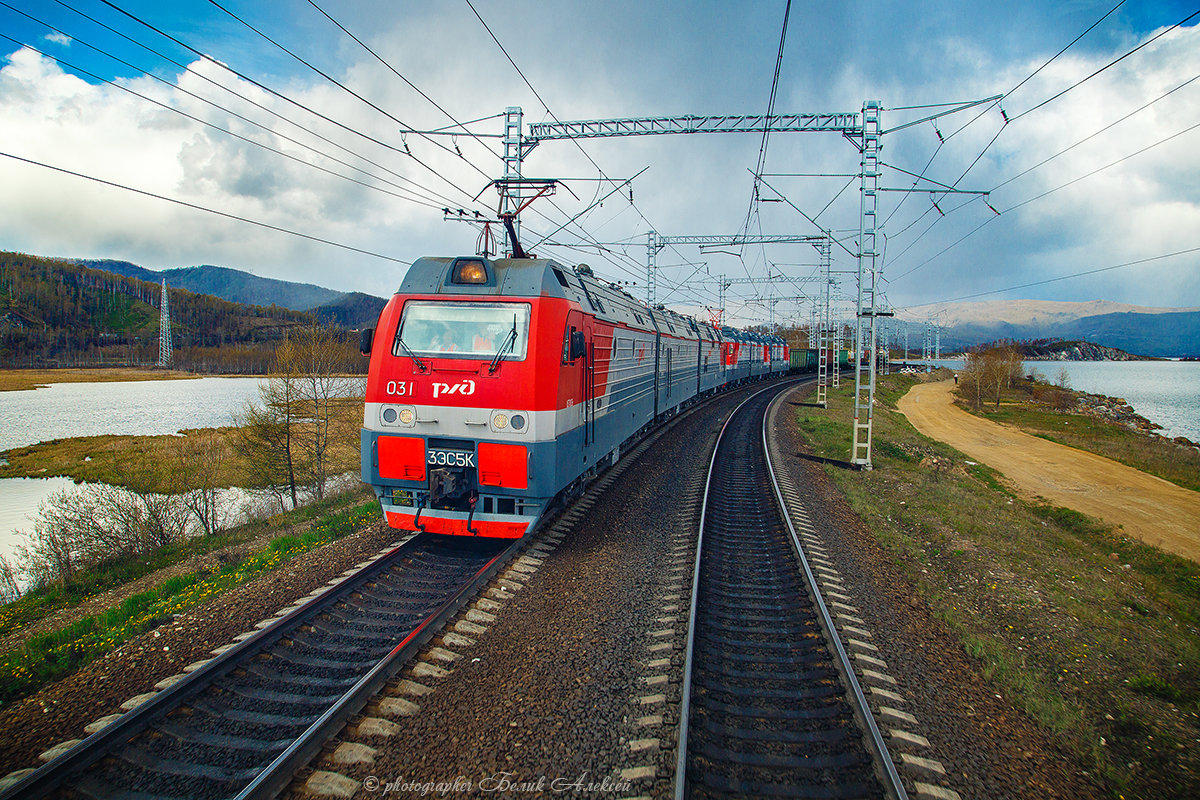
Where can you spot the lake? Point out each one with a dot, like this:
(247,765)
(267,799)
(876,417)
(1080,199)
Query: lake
(62,410)
(131,408)
(1164,392)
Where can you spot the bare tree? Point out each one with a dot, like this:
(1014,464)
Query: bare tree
(83,526)
(265,441)
(200,463)
(988,373)
(316,359)
(290,439)
(9,588)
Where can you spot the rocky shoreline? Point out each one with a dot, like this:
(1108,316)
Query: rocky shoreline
(1116,409)
(1076,351)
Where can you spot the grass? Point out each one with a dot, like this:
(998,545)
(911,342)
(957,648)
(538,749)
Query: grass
(107,459)
(53,655)
(1148,452)
(41,602)
(114,459)
(1092,634)
(12,380)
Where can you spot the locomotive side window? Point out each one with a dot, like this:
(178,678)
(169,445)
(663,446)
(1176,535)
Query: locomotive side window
(463,330)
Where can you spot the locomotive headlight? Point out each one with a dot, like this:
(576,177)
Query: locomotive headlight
(509,421)
(469,271)
(397,415)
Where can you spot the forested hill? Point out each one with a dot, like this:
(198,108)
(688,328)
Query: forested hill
(60,313)
(234,285)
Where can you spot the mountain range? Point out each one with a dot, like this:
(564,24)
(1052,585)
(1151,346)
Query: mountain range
(346,309)
(1142,330)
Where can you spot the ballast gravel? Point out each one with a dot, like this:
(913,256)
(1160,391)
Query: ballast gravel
(61,710)
(567,688)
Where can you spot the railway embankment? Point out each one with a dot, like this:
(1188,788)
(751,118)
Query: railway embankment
(1080,626)
(1037,652)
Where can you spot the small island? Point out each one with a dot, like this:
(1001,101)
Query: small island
(1060,350)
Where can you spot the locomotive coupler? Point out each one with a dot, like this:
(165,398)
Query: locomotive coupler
(474,498)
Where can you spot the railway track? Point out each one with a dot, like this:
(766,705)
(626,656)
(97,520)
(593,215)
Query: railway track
(243,723)
(771,706)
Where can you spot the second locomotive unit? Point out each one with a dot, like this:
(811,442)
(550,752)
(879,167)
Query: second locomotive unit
(494,384)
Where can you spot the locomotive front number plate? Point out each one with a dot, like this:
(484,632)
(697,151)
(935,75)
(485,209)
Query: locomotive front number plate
(450,458)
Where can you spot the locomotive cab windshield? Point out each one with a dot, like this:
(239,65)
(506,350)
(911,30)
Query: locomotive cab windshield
(464,330)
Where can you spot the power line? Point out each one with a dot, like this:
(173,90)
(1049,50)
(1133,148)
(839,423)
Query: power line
(358,96)
(546,106)
(1115,61)
(410,84)
(945,250)
(1000,130)
(239,95)
(277,94)
(414,199)
(762,147)
(1097,133)
(1060,278)
(197,207)
(1106,166)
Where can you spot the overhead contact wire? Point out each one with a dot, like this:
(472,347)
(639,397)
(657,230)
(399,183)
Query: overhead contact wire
(198,207)
(251,101)
(359,97)
(274,93)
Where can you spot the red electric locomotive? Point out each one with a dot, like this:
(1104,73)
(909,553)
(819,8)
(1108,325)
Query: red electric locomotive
(494,384)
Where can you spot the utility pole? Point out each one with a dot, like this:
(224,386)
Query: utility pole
(825,249)
(864,132)
(839,347)
(164,329)
(510,192)
(724,283)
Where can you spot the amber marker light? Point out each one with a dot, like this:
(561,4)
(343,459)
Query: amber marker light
(470,272)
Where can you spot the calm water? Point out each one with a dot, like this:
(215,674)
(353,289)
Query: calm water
(93,409)
(144,408)
(1165,392)
(19,498)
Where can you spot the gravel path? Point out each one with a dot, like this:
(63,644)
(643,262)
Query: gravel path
(1154,510)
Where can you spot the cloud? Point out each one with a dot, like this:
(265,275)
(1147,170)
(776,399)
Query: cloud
(611,60)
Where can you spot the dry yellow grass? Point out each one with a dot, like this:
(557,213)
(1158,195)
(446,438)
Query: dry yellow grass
(120,460)
(17,379)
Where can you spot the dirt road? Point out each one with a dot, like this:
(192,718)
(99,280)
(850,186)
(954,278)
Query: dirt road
(1155,511)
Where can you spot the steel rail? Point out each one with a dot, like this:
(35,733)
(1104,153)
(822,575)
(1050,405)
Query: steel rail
(895,784)
(686,700)
(275,778)
(52,777)
(873,746)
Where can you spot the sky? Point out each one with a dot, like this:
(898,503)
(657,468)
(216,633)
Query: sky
(1082,183)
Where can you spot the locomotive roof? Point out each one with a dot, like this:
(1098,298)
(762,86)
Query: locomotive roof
(540,277)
